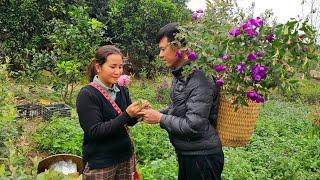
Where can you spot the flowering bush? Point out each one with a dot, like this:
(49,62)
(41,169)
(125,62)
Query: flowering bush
(247,56)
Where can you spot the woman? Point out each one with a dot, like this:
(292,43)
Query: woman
(107,147)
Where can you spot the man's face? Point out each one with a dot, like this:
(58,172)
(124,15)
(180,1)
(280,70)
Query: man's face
(167,54)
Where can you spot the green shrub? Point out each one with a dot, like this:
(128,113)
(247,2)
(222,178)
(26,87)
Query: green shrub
(74,44)
(134,25)
(16,163)
(24,25)
(7,108)
(61,135)
(305,90)
(309,91)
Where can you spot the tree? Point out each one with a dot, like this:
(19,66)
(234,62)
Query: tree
(73,46)
(311,11)
(133,26)
(23,25)
(181,3)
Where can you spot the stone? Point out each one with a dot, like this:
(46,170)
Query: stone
(315,74)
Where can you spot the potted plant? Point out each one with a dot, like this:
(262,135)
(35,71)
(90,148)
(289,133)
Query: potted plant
(248,57)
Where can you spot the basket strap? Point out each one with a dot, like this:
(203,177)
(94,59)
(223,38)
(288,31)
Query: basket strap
(118,110)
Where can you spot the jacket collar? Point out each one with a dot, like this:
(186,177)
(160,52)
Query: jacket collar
(177,72)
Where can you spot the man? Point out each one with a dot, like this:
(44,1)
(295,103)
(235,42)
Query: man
(190,116)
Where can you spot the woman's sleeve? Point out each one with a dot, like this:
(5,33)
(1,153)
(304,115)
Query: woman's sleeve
(91,119)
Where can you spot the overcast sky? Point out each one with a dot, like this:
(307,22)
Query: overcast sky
(283,9)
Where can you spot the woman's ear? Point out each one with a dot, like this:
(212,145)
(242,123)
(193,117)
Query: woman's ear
(97,67)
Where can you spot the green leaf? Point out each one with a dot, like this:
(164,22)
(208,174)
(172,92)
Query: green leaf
(2,169)
(293,81)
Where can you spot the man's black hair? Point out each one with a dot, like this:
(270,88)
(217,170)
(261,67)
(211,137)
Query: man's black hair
(169,31)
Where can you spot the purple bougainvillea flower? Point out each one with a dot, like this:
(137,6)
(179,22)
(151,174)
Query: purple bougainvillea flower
(191,55)
(259,54)
(124,80)
(219,67)
(188,51)
(179,54)
(197,14)
(259,72)
(245,25)
(199,11)
(251,32)
(257,22)
(259,99)
(252,95)
(194,16)
(270,37)
(226,57)
(263,69)
(219,82)
(235,32)
(251,57)
(256,77)
(240,67)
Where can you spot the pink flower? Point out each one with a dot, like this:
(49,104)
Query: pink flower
(124,80)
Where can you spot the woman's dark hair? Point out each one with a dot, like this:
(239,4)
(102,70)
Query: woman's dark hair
(169,31)
(100,58)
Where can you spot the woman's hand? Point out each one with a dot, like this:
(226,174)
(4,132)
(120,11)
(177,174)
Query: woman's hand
(134,109)
(144,104)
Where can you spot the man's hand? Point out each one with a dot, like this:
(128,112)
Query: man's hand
(150,116)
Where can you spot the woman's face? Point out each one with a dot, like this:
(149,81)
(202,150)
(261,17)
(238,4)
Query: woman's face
(109,72)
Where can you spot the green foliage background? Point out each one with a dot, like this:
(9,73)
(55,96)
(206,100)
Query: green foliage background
(29,27)
(7,108)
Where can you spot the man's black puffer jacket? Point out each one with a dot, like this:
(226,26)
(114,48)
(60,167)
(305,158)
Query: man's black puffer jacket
(192,113)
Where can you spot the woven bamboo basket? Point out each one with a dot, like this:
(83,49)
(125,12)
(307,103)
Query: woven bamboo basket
(45,163)
(236,127)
